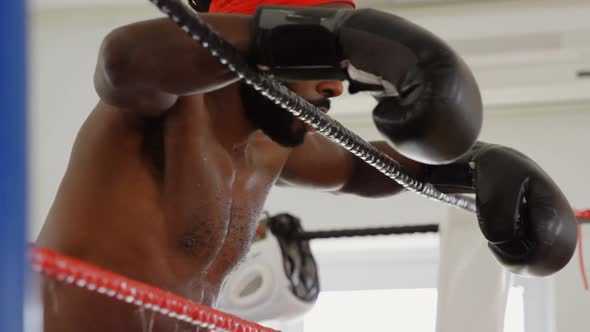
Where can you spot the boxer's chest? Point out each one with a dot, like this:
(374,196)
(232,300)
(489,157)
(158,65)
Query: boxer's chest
(212,191)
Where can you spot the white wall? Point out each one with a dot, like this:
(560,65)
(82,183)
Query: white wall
(64,46)
(554,131)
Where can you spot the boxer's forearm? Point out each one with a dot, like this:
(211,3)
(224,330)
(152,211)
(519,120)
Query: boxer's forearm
(367,181)
(148,65)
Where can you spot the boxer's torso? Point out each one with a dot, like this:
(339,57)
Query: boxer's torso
(172,202)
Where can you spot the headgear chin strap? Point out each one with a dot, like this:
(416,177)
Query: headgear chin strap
(278,279)
(248,7)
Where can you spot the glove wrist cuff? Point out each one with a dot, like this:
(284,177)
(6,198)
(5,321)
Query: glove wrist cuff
(456,178)
(298,43)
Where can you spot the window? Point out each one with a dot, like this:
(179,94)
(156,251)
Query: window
(391,310)
(374,310)
(392,287)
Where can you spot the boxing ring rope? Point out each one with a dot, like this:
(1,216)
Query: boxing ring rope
(583,218)
(94,279)
(190,22)
(75,272)
(338,233)
(583,215)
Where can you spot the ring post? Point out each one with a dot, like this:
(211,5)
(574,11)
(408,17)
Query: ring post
(13,167)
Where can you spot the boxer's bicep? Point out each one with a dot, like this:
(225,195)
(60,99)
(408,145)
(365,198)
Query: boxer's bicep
(321,164)
(146,66)
(367,181)
(318,164)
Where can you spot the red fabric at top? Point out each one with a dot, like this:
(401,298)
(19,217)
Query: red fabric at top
(248,7)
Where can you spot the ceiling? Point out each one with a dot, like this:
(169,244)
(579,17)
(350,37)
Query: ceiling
(522,51)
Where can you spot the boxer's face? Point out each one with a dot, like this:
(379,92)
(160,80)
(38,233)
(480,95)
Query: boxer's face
(317,93)
(277,123)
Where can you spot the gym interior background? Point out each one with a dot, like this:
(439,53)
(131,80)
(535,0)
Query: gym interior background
(532,60)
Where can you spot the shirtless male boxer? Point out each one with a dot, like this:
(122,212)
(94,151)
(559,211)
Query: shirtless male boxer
(171,170)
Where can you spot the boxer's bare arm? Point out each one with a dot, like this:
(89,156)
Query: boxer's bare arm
(323,165)
(144,67)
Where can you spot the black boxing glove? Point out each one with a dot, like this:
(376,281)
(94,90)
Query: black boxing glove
(530,226)
(429,106)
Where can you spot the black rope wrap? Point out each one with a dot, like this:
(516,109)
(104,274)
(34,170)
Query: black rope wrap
(395,230)
(190,22)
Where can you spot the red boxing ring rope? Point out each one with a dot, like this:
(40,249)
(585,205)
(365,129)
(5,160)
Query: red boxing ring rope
(92,278)
(582,215)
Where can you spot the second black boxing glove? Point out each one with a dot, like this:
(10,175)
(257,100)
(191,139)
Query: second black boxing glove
(530,226)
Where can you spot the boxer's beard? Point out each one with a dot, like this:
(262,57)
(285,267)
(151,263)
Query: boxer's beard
(275,122)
